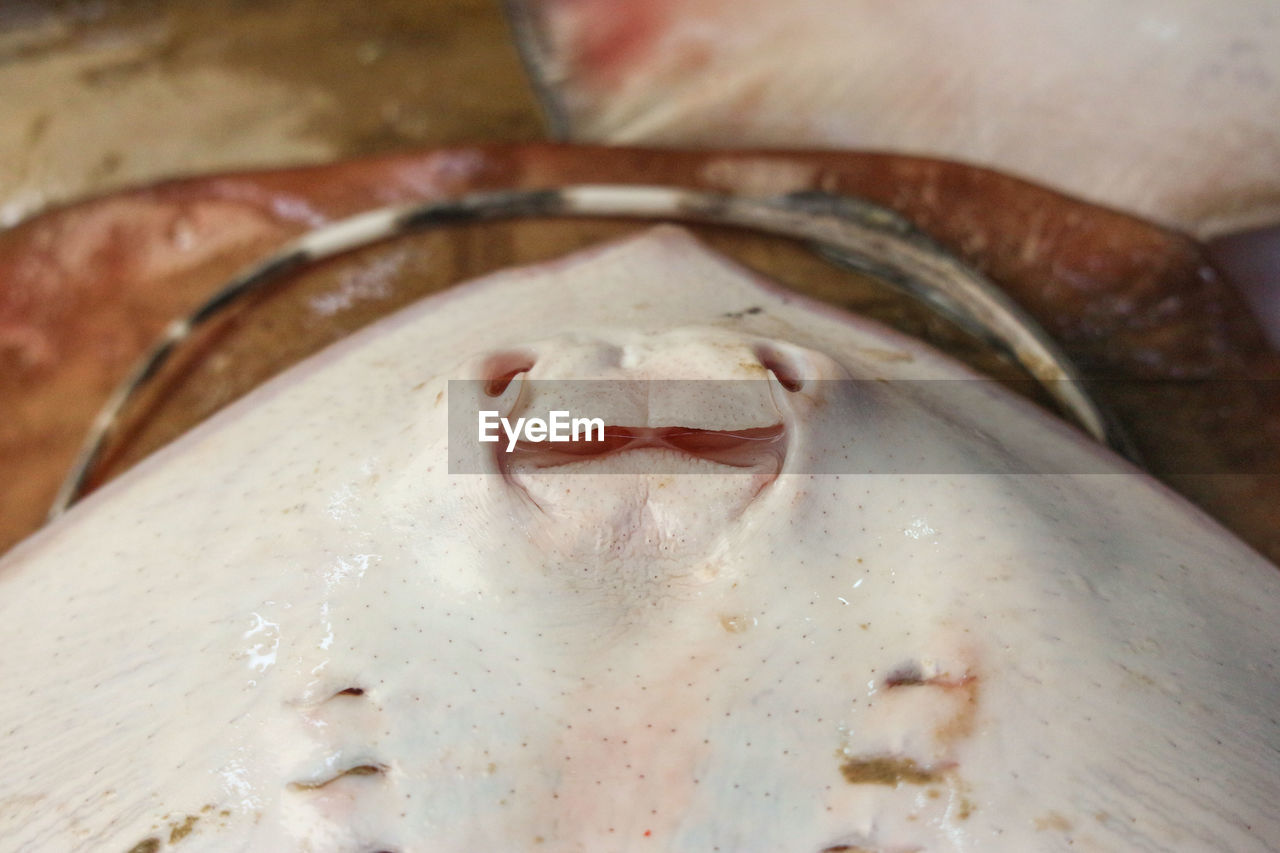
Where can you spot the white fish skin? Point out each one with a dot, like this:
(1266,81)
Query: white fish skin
(634,662)
(1169,109)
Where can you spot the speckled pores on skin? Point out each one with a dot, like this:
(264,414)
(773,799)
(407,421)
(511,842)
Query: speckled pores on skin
(296,625)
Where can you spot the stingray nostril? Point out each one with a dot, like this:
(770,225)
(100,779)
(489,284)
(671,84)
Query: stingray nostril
(502,368)
(781,366)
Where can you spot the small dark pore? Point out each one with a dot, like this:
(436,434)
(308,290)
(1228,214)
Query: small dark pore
(886,770)
(146,845)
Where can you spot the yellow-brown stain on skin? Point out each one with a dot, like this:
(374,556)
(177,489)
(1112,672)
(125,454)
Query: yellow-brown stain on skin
(961,724)
(892,771)
(1052,821)
(952,703)
(885,355)
(736,624)
(887,770)
(965,806)
(146,845)
(179,831)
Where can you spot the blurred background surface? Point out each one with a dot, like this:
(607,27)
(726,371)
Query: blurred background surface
(96,95)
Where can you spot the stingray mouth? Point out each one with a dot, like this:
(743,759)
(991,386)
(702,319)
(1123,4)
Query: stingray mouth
(656,450)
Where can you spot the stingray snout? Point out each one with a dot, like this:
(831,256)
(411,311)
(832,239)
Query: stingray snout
(723,401)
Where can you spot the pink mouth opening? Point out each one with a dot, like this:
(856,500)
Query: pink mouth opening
(759,449)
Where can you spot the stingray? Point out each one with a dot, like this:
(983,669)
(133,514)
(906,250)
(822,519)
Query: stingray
(819,589)
(1166,109)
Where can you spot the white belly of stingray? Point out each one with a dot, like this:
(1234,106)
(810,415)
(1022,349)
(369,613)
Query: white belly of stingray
(295,629)
(1169,109)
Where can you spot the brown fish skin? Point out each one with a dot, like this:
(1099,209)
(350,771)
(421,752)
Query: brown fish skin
(85,288)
